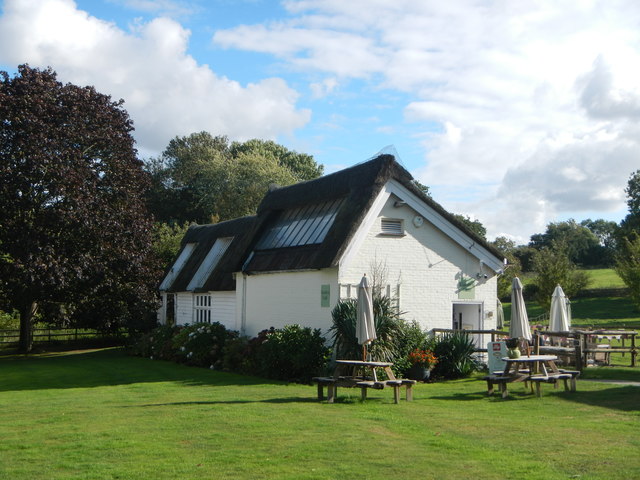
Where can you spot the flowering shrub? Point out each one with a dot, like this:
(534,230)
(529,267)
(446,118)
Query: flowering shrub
(424,358)
(291,353)
(201,344)
(156,344)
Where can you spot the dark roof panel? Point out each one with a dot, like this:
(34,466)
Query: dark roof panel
(307,225)
(204,236)
(304,226)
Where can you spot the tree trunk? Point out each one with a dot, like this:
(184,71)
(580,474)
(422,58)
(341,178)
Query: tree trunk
(26,327)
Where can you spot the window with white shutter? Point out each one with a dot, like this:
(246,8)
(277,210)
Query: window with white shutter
(391,226)
(202,308)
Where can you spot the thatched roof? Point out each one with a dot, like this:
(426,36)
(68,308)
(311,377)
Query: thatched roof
(358,186)
(204,236)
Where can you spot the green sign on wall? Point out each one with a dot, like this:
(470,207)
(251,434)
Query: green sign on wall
(466,288)
(325,295)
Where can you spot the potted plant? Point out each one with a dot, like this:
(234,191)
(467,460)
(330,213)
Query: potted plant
(422,361)
(513,350)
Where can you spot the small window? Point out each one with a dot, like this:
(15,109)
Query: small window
(391,227)
(202,308)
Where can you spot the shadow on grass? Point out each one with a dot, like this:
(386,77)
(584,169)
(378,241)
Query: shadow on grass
(613,372)
(617,397)
(105,367)
(228,402)
(625,398)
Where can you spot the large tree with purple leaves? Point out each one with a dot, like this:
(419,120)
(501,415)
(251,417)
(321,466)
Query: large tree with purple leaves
(74,229)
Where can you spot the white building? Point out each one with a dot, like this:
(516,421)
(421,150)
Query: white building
(309,245)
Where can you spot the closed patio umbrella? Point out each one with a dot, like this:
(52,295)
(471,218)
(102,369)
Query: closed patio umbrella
(519,326)
(365,325)
(560,316)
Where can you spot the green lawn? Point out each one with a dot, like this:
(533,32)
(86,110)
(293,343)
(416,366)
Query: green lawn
(596,312)
(605,278)
(103,415)
(600,278)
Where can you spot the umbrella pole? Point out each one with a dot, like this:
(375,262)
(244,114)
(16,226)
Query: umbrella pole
(364,353)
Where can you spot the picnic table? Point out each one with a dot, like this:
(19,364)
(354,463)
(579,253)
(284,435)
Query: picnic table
(533,369)
(363,375)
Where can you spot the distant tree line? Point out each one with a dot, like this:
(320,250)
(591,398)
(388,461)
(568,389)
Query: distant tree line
(556,255)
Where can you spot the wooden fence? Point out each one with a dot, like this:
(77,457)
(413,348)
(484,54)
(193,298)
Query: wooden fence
(10,338)
(577,346)
(494,334)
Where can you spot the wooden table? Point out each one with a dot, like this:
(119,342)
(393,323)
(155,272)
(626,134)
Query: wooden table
(535,369)
(363,375)
(354,367)
(536,364)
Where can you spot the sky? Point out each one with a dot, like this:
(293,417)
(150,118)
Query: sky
(514,113)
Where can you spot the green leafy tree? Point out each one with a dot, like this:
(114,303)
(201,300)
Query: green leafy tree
(525,254)
(553,267)
(166,241)
(74,223)
(302,166)
(631,223)
(628,254)
(604,230)
(581,244)
(206,179)
(628,265)
(507,247)
(607,233)
(633,193)
(474,225)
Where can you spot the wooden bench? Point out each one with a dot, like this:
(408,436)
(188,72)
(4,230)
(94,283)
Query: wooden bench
(366,384)
(574,377)
(328,382)
(552,378)
(501,380)
(332,385)
(396,384)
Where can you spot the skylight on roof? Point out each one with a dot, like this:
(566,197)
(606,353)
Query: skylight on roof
(306,225)
(177,266)
(209,263)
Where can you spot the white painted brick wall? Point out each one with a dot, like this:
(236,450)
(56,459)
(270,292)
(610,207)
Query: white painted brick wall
(184,308)
(224,309)
(279,299)
(427,264)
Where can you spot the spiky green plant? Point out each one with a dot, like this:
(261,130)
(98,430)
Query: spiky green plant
(388,330)
(455,352)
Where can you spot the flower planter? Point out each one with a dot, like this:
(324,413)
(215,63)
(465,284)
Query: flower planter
(419,373)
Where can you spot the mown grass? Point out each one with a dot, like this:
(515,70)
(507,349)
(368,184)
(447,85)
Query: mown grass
(604,278)
(600,278)
(103,415)
(596,312)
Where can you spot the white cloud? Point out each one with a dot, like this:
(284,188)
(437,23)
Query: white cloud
(166,92)
(324,88)
(537,103)
(168,8)
(526,111)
